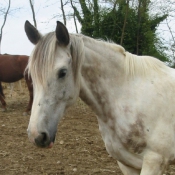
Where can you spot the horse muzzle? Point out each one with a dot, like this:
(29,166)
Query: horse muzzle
(43,139)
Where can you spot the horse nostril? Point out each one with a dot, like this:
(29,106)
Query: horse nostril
(42,140)
(44,137)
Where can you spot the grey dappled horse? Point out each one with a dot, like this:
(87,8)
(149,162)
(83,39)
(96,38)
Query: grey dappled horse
(133,97)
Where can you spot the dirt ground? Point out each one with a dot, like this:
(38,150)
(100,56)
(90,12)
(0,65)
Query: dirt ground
(78,148)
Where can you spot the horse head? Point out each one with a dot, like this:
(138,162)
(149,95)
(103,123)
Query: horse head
(52,68)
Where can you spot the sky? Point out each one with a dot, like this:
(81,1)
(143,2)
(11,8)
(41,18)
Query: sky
(14,39)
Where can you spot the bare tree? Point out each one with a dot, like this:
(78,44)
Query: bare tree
(139,14)
(124,23)
(167,29)
(74,16)
(33,12)
(5,19)
(171,29)
(63,12)
(171,41)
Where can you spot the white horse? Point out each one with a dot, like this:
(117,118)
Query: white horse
(133,97)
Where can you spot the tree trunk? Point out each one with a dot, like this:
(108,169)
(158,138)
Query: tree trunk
(76,13)
(96,18)
(138,27)
(124,24)
(114,22)
(5,19)
(62,9)
(75,22)
(33,13)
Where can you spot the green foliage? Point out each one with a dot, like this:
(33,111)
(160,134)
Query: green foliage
(134,28)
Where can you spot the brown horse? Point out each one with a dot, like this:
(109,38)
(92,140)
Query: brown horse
(12,69)
(2,96)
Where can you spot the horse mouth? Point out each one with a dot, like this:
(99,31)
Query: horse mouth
(51,145)
(44,141)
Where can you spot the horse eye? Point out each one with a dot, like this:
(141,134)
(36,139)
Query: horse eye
(62,73)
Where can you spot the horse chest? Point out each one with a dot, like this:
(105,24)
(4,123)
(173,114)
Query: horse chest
(123,142)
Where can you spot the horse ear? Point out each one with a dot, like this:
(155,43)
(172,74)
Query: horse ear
(62,34)
(32,33)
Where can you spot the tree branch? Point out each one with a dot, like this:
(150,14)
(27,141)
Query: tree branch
(5,18)
(33,13)
(76,12)
(62,9)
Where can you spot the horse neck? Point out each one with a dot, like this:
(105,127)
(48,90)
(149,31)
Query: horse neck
(101,70)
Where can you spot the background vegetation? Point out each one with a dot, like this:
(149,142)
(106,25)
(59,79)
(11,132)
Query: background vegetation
(131,23)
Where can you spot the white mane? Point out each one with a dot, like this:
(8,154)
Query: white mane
(133,65)
(143,65)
